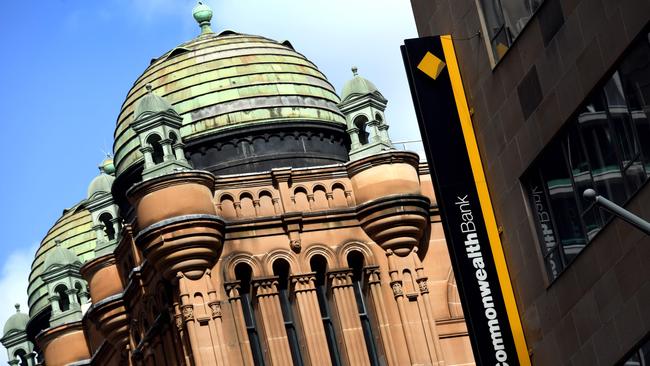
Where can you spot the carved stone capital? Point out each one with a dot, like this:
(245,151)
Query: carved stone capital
(340,278)
(188,312)
(397,288)
(265,286)
(303,282)
(215,308)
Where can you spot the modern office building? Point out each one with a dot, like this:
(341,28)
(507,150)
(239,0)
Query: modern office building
(249,216)
(559,97)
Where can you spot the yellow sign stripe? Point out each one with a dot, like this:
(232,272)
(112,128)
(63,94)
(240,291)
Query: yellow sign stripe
(484,198)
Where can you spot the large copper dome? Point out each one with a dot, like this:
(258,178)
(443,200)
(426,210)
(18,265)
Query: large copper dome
(221,82)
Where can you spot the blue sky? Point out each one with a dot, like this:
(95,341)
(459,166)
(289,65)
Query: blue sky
(68,64)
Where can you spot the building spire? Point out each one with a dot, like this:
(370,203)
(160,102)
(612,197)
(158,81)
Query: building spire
(355,71)
(17,306)
(203,14)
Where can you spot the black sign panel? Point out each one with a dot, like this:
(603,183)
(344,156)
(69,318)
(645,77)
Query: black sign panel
(459,204)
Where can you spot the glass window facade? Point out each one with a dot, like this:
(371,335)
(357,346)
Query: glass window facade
(606,146)
(504,20)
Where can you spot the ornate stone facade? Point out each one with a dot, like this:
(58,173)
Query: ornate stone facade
(312,264)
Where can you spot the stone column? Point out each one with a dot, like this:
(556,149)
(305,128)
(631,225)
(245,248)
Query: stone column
(148,159)
(273,333)
(178,152)
(426,298)
(374,132)
(168,154)
(347,315)
(99,232)
(304,291)
(216,328)
(116,226)
(373,275)
(330,199)
(354,138)
(398,294)
(232,289)
(187,311)
(383,133)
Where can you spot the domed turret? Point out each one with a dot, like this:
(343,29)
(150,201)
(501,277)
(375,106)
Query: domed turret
(60,257)
(16,323)
(151,104)
(104,181)
(358,86)
(364,106)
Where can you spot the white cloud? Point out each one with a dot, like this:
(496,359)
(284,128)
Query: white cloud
(13,285)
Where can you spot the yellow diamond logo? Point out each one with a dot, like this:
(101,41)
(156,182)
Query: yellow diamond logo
(431,65)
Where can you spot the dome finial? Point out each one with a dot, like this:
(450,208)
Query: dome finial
(203,14)
(354,71)
(17,306)
(149,87)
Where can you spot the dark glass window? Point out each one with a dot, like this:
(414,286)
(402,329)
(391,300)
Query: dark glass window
(243,273)
(355,261)
(606,146)
(281,269)
(319,265)
(504,20)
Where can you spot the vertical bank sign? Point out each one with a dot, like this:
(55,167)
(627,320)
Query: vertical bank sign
(482,277)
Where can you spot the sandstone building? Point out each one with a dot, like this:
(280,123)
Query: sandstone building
(559,93)
(249,216)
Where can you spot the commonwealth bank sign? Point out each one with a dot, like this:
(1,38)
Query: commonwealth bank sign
(470,228)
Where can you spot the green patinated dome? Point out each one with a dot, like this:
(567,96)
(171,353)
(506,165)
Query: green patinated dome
(16,322)
(104,181)
(74,231)
(357,86)
(59,257)
(220,82)
(151,104)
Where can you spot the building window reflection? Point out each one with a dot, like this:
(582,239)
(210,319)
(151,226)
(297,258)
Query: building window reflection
(504,20)
(605,147)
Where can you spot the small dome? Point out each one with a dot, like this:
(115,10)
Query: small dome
(104,181)
(60,256)
(358,86)
(16,322)
(151,103)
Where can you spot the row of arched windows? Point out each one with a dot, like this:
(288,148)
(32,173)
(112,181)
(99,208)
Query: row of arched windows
(303,198)
(318,264)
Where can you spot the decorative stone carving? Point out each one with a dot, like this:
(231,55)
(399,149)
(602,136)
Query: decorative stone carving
(188,312)
(397,288)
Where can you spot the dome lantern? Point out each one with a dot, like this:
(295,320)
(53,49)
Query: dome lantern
(364,106)
(203,14)
(14,339)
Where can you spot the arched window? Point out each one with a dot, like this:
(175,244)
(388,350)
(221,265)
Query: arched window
(21,356)
(355,261)
(174,138)
(378,118)
(360,123)
(281,269)
(64,301)
(319,265)
(157,154)
(243,273)
(109,230)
